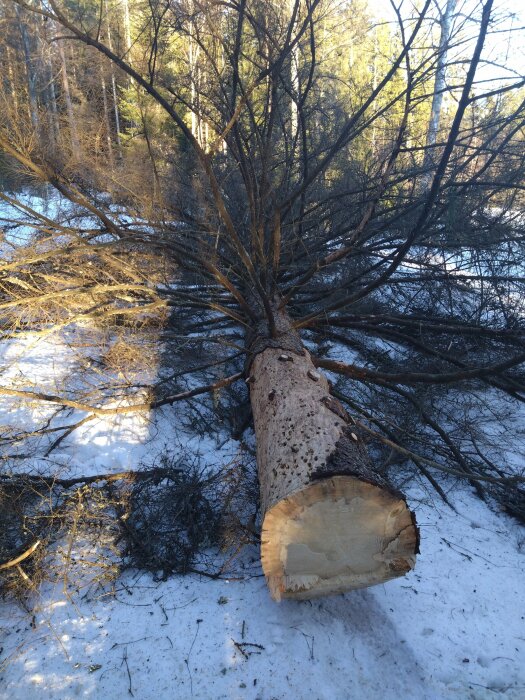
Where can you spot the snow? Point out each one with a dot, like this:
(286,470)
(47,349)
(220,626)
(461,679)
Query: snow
(106,444)
(454,627)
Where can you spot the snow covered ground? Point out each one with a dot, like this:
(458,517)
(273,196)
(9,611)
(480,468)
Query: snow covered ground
(453,628)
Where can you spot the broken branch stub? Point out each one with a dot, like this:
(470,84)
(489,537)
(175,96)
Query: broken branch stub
(331,522)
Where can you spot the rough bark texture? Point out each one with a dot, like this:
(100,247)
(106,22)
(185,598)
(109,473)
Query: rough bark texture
(331,522)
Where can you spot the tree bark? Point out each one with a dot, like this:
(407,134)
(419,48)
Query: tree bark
(12,76)
(114,92)
(439,84)
(49,92)
(75,147)
(331,521)
(107,123)
(30,72)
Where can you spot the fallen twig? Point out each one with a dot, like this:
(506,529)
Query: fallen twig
(241,646)
(20,557)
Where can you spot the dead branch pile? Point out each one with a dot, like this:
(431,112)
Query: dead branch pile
(175,517)
(23,522)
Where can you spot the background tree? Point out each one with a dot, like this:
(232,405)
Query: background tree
(284,182)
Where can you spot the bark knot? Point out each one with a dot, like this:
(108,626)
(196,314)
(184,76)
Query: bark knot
(336,407)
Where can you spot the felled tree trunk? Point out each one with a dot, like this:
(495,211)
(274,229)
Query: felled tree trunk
(331,522)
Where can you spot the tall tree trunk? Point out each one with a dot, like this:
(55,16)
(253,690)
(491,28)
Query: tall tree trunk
(294,74)
(50,92)
(114,93)
(12,79)
(31,74)
(75,147)
(127,32)
(374,88)
(52,102)
(439,82)
(107,122)
(193,58)
(331,521)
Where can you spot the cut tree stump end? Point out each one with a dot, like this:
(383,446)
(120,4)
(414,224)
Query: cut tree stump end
(335,535)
